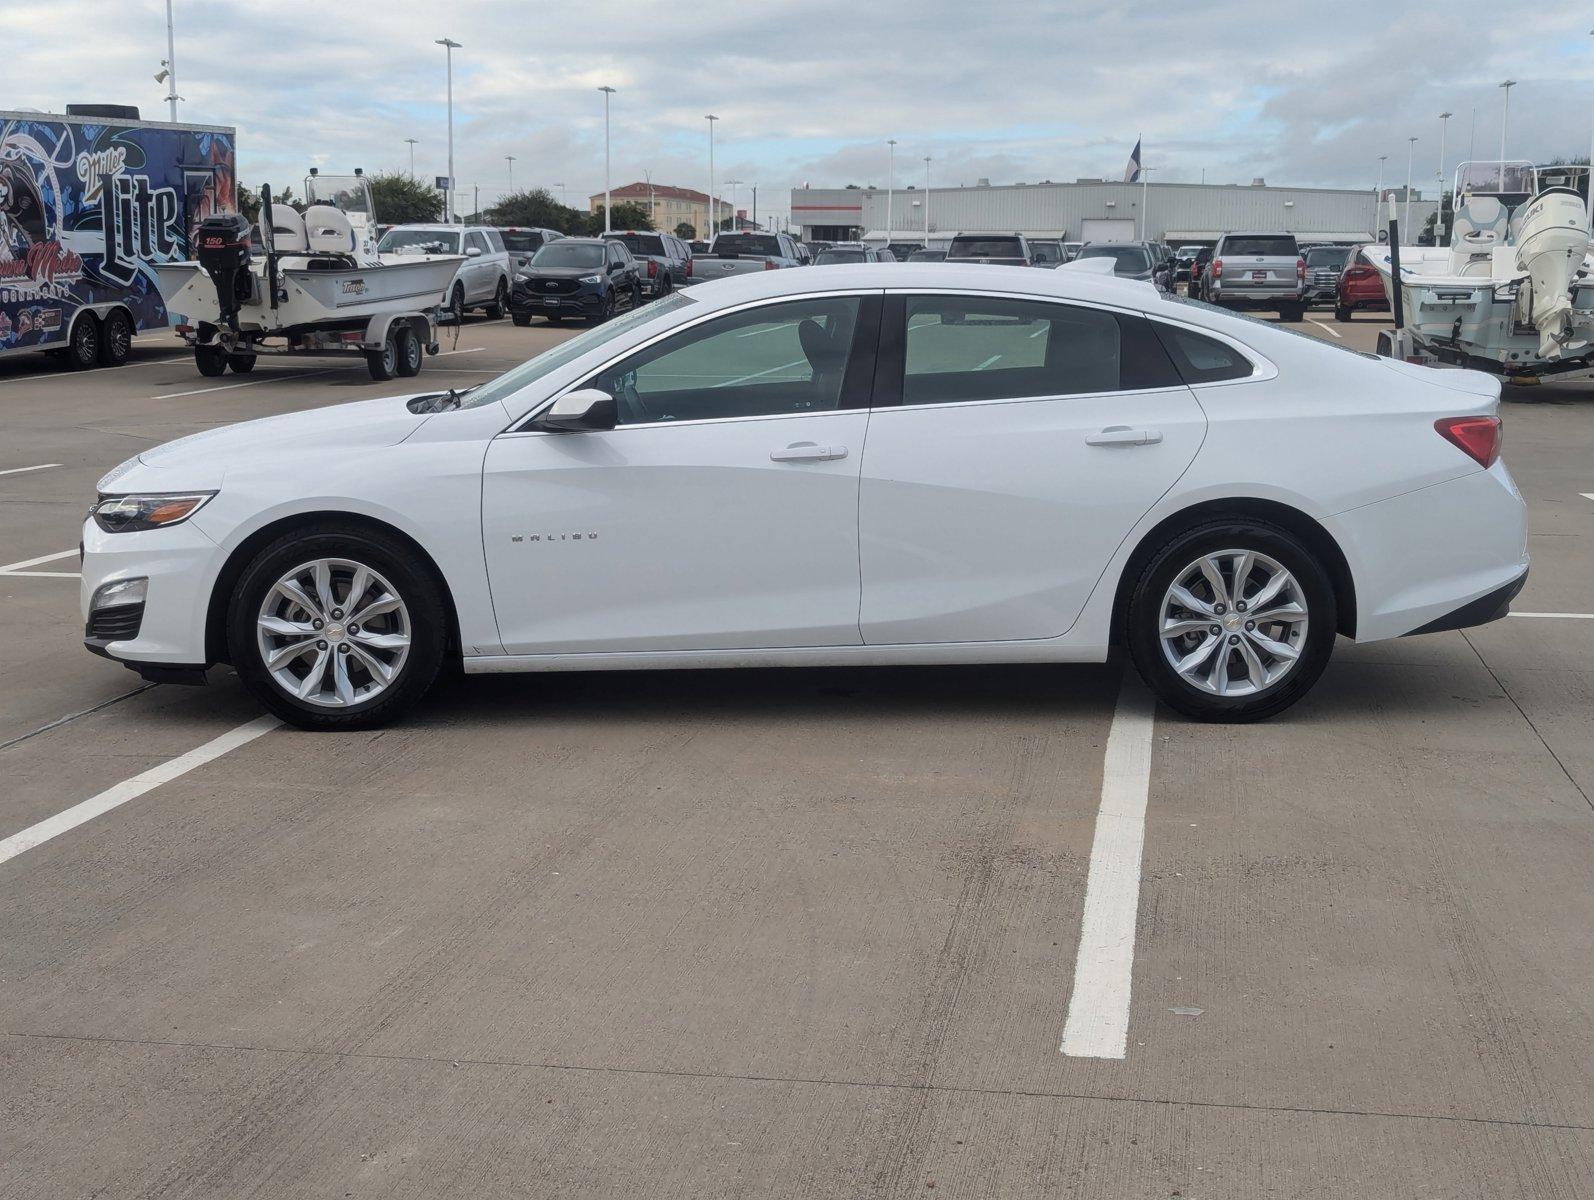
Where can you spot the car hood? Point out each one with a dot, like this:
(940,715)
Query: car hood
(202,459)
(536,273)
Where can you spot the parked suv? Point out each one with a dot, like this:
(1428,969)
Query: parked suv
(483,278)
(1133,260)
(524,242)
(1258,270)
(846,252)
(1006,249)
(1360,286)
(577,277)
(1324,265)
(666,260)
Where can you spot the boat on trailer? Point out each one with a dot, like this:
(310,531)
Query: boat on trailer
(314,285)
(1513,292)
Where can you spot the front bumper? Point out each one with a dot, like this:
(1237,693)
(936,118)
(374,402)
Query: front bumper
(181,564)
(584,303)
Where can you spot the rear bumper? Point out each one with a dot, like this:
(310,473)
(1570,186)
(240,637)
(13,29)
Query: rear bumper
(1258,297)
(1490,606)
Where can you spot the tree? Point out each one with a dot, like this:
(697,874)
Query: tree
(685,231)
(249,201)
(537,207)
(401,200)
(626,216)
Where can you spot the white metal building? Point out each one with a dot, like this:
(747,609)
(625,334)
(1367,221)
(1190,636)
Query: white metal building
(1175,212)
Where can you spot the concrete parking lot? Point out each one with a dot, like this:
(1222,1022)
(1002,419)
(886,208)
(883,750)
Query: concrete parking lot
(801,933)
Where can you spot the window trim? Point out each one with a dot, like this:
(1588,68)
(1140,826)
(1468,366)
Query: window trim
(522,426)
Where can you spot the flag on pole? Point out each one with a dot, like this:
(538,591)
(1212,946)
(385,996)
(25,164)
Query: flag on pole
(1132,171)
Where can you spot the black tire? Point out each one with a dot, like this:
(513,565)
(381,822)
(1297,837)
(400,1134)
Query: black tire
(242,364)
(410,352)
(606,309)
(456,306)
(83,348)
(665,288)
(636,296)
(1143,620)
(1292,313)
(520,319)
(500,304)
(211,361)
(116,339)
(409,577)
(384,363)
(1342,312)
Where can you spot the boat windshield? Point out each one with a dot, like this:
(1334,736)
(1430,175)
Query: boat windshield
(418,241)
(1495,178)
(349,193)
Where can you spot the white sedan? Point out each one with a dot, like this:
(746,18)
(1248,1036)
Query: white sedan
(914,463)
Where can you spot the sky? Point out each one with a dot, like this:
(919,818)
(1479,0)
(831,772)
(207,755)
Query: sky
(1306,94)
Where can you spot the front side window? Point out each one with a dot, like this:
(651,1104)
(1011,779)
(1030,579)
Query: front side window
(962,348)
(475,241)
(786,358)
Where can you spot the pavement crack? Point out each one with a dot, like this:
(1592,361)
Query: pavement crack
(70,717)
(455,1061)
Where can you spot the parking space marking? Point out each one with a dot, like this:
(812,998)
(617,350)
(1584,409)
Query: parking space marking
(1098,1010)
(1330,328)
(1587,495)
(227,387)
(57,376)
(42,574)
(131,789)
(18,567)
(1558,616)
(472,350)
(25,470)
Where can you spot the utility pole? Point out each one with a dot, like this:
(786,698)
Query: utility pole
(607,206)
(1505,116)
(891,166)
(412,142)
(733,184)
(1411,150)
(1439,217)
(171,64)
(755,206)
(926,201)
(510,159)
(712,215)
(1378,192)
(653,203)
(449,46)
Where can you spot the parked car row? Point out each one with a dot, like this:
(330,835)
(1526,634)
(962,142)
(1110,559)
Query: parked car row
(1273,270)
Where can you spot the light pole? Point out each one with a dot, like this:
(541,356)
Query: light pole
(171,64)
(711,118)
(449,46)
(926,201)
(1504,117)
(891,166)
(1439,217)
(412,142)
(607,92)
(1378,192)
(652,203)
(510,159)
(1411,151)
(733,184)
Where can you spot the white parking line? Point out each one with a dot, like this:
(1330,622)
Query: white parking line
(1330,328)
(10,568)
(132,789)
(472,350)
(41,575)
(57,376)
(1587,495)
(1098,1010)
(25,470)
(272,378)
(1558,616)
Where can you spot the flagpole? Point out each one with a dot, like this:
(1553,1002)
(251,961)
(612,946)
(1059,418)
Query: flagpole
(1140,144)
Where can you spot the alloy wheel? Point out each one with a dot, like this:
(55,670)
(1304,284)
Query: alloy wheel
(333,633)
(1233,623)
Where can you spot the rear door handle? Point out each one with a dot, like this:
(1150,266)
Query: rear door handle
(807,452)
(1122,435)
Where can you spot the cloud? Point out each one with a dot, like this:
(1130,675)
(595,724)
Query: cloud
(1299,93)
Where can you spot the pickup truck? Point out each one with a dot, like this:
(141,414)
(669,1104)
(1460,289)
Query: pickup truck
(1258,270)
(740,253)
(1007,249)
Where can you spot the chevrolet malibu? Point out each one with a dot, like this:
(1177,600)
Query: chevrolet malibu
(926,463)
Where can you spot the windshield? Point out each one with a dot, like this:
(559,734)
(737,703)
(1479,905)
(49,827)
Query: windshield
(838,256)
(521,239)
(1328,256)
(418,241)
(986,248)
(350,193)
(641,243)
(1046,252)
(528,372)
(747,243)
(927,256)
(1128,259)
(1282,246)
(567,254)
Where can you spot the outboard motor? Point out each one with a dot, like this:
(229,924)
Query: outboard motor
(224,254)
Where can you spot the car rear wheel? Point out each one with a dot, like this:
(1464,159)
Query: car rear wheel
(1231,621)
(1292,312)
(116,339)
(500,304)
(335,629)
(1342,312)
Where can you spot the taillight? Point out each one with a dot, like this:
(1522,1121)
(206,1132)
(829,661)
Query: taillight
(689,263)
(653,269)
(1300,268)
(769,264)
(1477,437)
(1217,268)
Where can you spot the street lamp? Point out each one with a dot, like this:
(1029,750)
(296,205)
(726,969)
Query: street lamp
(652,203)
(510,159)
(891,165)
(449,46)
(711,118)
(1439,217)
(412,142)
(926,201)
(1378,192)
(1411,150)
(1504,117)
(170,64)
(733,184)
(607,92)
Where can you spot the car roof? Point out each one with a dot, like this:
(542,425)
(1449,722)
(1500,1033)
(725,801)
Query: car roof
(1084,286)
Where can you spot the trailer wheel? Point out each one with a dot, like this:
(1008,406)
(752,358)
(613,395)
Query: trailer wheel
(116,339)
(409,352)
(242,364)
(383,363)
(211,360)
(83,351)
(1386,345)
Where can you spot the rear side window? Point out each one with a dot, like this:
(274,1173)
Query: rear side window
(1201,359)
(642,243)
(1278,246)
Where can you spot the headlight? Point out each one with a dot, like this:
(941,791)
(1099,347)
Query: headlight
(592,279)
(130,514)
(522,277)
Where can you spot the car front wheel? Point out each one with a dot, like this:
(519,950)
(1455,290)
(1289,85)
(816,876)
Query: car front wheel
(335,629)
(1231,621)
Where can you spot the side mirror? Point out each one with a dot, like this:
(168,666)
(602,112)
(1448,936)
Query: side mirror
(473,252)
(580,411)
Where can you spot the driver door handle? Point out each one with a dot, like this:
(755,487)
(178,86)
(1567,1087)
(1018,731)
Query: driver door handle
(807,452)
(1122,435)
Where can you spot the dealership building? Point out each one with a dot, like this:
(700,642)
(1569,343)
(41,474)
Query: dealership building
(1095,209)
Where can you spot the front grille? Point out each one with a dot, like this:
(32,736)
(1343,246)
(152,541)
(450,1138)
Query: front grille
(117,624)
(1325,278)
(552,287)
